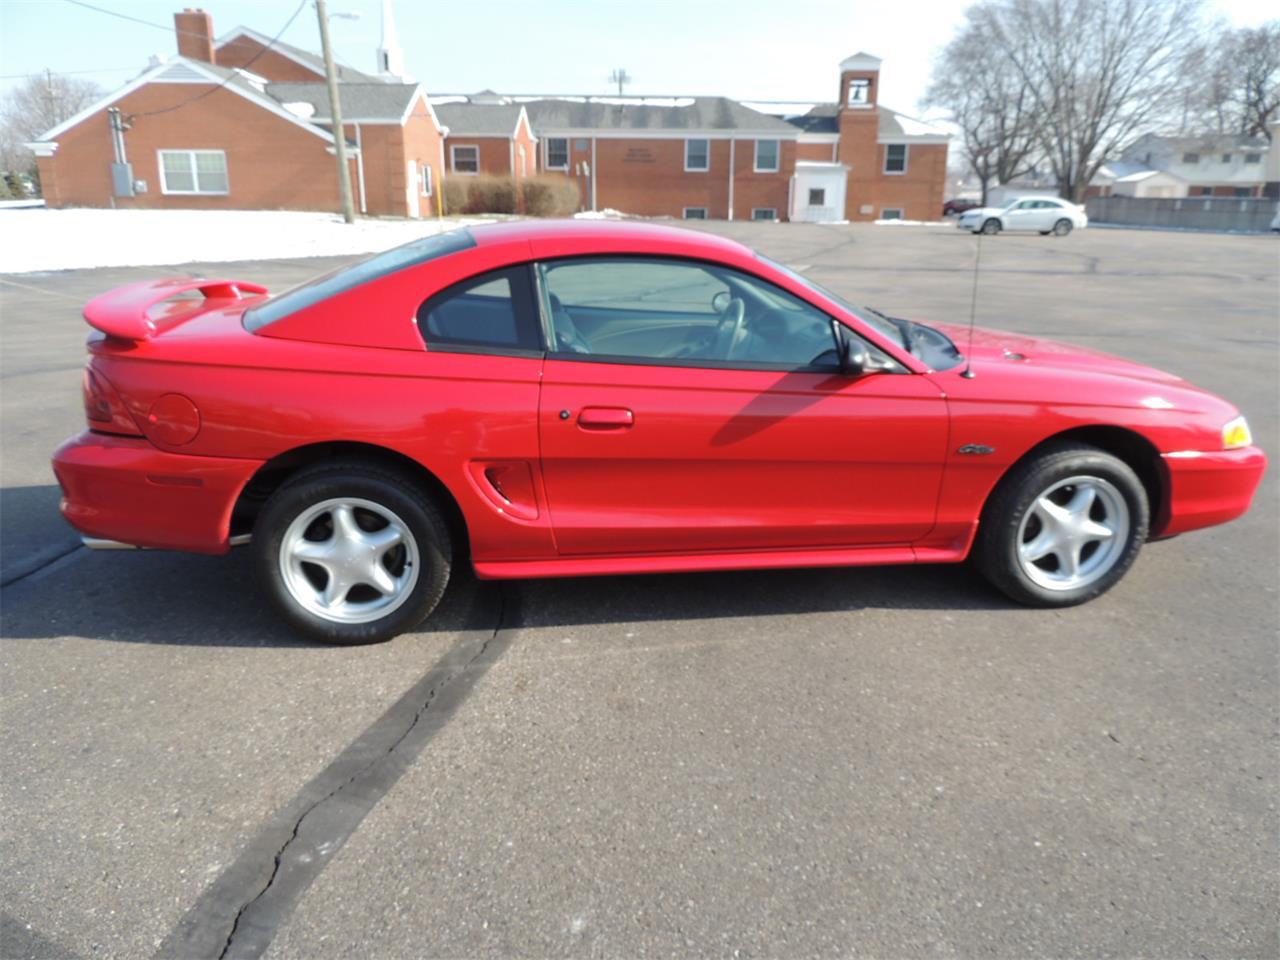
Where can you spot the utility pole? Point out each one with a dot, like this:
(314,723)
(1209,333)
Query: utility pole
(335,115)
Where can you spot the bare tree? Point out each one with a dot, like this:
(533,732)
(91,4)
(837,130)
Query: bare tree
(1097,71)
(1242,94)
(987,100)
(39,103)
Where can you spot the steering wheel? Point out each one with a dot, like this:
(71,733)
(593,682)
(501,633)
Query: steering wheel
(732,320)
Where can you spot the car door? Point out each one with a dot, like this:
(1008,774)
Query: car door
(1021,216)
(689,407)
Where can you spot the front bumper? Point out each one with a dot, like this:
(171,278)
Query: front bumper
(1208,488)
(123,488)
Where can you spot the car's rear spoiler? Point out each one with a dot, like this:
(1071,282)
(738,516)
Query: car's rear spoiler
(124,311)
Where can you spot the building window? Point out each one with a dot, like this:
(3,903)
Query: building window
(1204,191)
(1191,158)
(859,92)
(817,197)
(193,171)
(1226,158)
(697,155)
(766,156)
(891,213)
(424,178)
(895,158)
(1244,191)
(465,159)
(1253,158)
(524,164)
(695,213)
(557,153)
(764,213)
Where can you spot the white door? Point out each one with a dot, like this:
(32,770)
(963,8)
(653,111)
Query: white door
(412,180)
(817,192)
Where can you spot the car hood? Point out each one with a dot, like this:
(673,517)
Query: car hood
(1003,347)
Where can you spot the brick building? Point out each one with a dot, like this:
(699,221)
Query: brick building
(712,157)
(237,124)
(242,123)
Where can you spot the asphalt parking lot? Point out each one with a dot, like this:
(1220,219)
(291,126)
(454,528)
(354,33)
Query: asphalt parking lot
(872,762)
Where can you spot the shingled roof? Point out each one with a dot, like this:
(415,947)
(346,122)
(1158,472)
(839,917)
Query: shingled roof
(360,101)
(478,119)
(638,114)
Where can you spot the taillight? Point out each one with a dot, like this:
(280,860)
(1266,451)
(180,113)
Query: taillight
(103,408)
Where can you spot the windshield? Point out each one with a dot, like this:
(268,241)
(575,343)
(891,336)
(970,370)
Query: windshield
(346,277)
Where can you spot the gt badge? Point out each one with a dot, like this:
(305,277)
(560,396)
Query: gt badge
(976,449)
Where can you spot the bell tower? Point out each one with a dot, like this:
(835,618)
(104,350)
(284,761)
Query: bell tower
(859,124)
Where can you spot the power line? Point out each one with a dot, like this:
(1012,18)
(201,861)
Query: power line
(145,23)
(67,73)
(200,96)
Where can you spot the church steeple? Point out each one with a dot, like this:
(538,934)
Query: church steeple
(390,56)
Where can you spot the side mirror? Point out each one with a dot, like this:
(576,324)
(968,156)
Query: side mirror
(849,349)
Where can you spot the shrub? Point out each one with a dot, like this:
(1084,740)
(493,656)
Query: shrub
(489,194)
(16,185)
(455,195)
(5,193)
(550,196)
(482,194)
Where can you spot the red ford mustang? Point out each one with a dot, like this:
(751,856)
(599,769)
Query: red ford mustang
(569,398)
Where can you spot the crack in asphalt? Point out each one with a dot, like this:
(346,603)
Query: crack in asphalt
(37,563)
(223,922)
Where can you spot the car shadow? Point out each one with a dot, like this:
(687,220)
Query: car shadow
(32,531)
(186,599)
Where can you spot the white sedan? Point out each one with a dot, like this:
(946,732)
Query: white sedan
(1044,214)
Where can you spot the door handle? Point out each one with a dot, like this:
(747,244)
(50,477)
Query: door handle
(606,418)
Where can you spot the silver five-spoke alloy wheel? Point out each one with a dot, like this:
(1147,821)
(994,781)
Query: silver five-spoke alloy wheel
(349,560)
(1073,533)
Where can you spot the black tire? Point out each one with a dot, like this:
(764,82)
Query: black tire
(1062,227)
(368,482)
(991,226)
(1002,529)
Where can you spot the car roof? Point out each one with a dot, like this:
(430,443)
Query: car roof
(614,231)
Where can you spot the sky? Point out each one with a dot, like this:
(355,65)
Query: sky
(745,49)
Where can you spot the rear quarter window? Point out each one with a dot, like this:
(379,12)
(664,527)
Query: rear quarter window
(491,313)
(349,277)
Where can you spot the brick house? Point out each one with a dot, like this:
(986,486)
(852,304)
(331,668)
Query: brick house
(239,126)
(485,135)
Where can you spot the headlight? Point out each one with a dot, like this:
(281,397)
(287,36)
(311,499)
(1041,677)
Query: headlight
(1235,433)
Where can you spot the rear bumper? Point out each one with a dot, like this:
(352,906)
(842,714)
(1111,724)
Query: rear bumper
(122,488)
(1208,488)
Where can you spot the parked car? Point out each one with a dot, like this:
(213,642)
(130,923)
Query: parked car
(568,398)
(1045,215)
(957,206)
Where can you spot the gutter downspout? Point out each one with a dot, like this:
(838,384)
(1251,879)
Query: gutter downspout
(364,205)
(733,145)
(594,171)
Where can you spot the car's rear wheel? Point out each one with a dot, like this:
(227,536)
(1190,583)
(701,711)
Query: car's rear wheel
(1063,527)
(352,553)
(991,227)
(1062,227)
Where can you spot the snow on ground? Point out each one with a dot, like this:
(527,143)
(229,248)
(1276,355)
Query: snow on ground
(38,239)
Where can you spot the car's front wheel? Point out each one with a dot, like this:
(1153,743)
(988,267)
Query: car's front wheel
(352,553)
(991,227)
(1062,227)
(1063,527)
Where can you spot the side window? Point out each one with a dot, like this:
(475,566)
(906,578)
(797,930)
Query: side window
(683,313)
(491,313)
